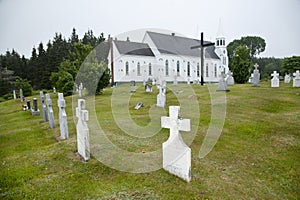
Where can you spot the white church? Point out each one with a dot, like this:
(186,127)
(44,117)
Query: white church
(166,57)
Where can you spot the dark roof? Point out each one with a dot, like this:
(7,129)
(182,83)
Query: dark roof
(177,45)
(133,48)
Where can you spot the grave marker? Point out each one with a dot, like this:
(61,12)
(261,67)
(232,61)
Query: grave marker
(83,143)
(139,105)
(148,88)
(14,94)
(287,78)
(229,79)
(256,76)
(296,80)
(161,98)
(35,110)
(21,95)
(132,86)
(275,79)
(63,123)
(44,108)
(50,111)
(175,81)
(222,84)
(28,105)
(176,154)
(80,88)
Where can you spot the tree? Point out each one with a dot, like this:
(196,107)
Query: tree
(241,65)
(290,64)
(24,85)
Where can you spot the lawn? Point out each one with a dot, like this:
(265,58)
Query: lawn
(256,157)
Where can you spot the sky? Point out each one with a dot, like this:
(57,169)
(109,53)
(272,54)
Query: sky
(26,23)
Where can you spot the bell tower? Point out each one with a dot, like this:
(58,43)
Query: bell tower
(220,49)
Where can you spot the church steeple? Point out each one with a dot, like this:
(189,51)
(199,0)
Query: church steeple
(220,48)
(220,39)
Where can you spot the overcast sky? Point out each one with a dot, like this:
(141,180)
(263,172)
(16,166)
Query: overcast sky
(25,23)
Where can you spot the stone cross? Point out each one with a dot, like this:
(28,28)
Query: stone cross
(275,79)
(50,111)
(35,110)
(287,78)
(44,108)
(83,143)
(63,123)
(176,154)
(80,90)
(222,84)
(229,79)
(21,95)
(14,93)
(256,76)
(161,98)
(296,80)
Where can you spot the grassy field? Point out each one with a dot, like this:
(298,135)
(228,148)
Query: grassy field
(256,157)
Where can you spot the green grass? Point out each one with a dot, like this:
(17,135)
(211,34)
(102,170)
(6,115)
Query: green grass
(256,157)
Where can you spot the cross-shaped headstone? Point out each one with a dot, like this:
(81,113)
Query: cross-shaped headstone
(256,66)
(256,76)
(83,143)
(63,123)
(275,79)
(50,111)
(176,154)
(296,80)
(202,46)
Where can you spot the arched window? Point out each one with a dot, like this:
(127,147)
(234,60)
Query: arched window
(167,68)
(150,70)
(198,70)
(217,42)
(178,68)
(188,69)
(216,70)
(206,69)
(127,68)
(138,69)
(224,42)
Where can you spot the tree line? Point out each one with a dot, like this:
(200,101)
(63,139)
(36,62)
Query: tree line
(44,68)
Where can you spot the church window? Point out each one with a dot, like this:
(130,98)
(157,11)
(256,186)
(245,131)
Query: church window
(198,70)
(127,68)
(215,70)
(206,70)
(224,42)
(188,69)
(138,69)
(178,68)
(167,68)
(217,42)
(150,70)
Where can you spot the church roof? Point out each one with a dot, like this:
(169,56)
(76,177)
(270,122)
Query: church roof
(177,45)
(133,48)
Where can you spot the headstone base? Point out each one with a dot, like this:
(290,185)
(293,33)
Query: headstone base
(35,113)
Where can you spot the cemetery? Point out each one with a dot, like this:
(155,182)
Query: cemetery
(256,156)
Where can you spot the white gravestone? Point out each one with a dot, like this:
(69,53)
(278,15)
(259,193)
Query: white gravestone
(161,98)
(275,79)
(222,84)
(83,143)
(148,88)
(188,81)
(50,111)
(229,79)
(287,78)
(250,78)
(296,80)
(21,95)
(44,108)
(14,94)
(175,82)
(80,88)
(176,154)
(63,123)
(256,76)
(164,86)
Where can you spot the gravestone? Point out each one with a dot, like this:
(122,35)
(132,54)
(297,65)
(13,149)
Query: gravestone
(14,94)
(250,78)
(21,95)
(80,88)
(164,86)
(54,90)
(161,98)
(82,130)
(144,82)
(28,105)
(176,154)
(132,86)
(287,78)
(222,84)
(35,110)
(229,79)
(175,82)
(188,81)
(44,108)
(139,105)
(296,79)
(148,88)
(275,79)
(50,111)
(256,76)
(63,123)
